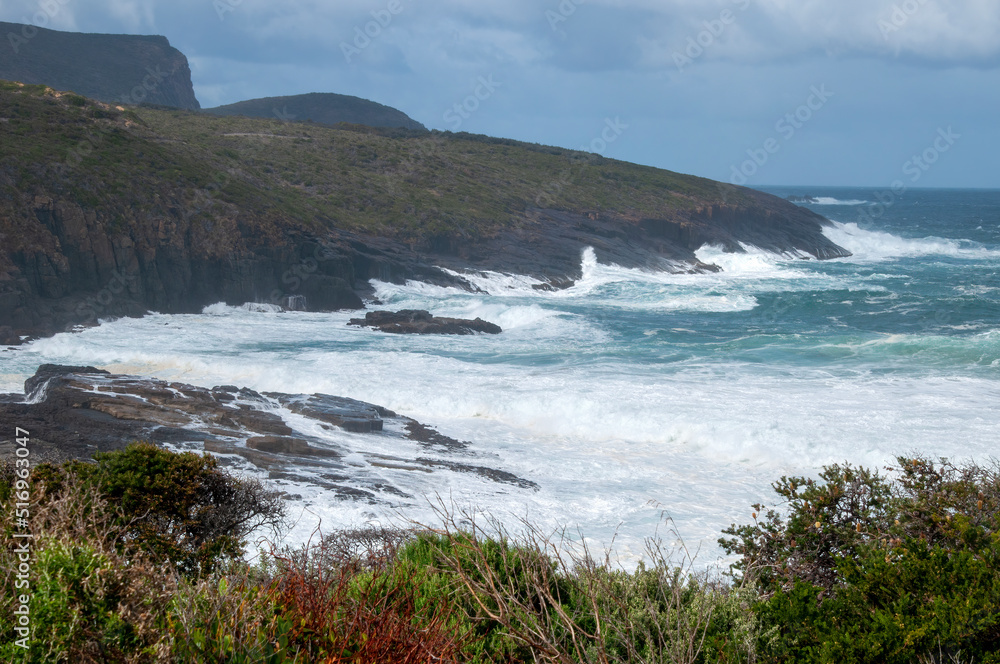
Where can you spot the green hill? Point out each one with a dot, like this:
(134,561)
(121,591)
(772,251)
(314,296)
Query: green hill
(320,107)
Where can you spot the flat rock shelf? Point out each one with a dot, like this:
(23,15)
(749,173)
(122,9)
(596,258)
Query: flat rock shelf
(339,444)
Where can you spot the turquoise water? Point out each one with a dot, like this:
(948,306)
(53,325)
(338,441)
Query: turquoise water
(634,393)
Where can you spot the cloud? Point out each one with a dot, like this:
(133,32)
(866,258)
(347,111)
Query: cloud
(55,16)
(568,34)
(135,16)
(945,32)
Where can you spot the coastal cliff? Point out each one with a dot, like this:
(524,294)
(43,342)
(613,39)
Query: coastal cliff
(112,211)
(130,69)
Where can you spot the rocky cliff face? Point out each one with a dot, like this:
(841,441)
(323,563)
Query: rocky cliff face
(122,69)
(79,268)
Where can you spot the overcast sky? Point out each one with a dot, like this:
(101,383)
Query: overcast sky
(798,92)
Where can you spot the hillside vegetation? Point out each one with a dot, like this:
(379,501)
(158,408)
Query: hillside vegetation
(394,182)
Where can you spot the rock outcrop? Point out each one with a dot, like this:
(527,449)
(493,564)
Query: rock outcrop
(119,69)
(73,412)
(413,321)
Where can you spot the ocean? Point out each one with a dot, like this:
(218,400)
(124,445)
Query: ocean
(640,403)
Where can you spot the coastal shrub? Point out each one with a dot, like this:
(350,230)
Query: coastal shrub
(872,568)
(7,479)
(903,566)
(502,593)
(230,619)
(912,602)
(88,602)
(178,507)
(533,598)
(825,521)
(74,606)
(354,614)
(664,612)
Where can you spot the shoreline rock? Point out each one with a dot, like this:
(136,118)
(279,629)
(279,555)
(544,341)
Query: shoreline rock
(418,321)
(73,412)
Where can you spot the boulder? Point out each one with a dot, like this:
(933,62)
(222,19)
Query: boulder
(415,321)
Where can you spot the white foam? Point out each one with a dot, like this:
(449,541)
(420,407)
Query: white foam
(498,283)
(743,275)
(752,262)
(877,246)
(223,309)
(560,399)
(611,285)
(217,309)
(602,438)
(826,200)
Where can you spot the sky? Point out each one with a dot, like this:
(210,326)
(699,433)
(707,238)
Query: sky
(755,92)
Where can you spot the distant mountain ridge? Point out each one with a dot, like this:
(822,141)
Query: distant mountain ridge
(145,69)
(123,69)
(323,108)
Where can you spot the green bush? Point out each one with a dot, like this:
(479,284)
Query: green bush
(871,568)
(74,609)
(663,613)
(859,567)
(461,567)
(229,621)
(179,507)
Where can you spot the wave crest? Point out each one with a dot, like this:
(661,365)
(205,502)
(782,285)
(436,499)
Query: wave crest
(869,245)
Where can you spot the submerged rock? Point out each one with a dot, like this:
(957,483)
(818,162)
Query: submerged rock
(416,321)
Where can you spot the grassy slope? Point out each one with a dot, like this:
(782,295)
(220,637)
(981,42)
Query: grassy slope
(407,185)
(106,159)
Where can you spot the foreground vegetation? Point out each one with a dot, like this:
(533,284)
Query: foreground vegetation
(138,558)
